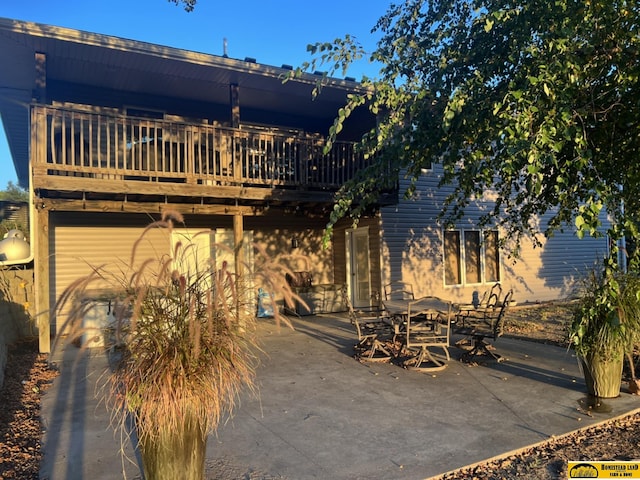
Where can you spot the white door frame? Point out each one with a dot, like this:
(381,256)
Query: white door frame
(357,279)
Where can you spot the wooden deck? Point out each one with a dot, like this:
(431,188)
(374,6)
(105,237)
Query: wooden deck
(107,152)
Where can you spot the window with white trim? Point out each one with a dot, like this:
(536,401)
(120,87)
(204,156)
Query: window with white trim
(471,257)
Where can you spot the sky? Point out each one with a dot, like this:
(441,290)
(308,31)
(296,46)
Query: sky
(274,32)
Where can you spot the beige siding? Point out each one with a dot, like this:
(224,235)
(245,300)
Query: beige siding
(339,241)
(412,251)
(551,271)
(79,249)
(274,233)
(81,242)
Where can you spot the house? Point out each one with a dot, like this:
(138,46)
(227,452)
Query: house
(108,133)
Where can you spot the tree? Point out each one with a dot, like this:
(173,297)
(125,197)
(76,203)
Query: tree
(189,5)
(14,193)
(537,101)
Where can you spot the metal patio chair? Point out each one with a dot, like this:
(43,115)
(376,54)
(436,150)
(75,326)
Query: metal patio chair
(373,329)
(483,324)
(398,291)
(428,326)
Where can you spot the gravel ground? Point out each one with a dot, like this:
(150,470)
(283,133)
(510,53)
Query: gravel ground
(27,377)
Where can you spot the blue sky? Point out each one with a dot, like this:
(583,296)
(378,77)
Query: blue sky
(274,32)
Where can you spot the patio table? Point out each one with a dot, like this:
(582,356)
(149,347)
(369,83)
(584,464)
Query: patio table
(422,324)
(433,305)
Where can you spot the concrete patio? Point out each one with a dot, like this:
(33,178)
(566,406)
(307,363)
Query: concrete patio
(321,414)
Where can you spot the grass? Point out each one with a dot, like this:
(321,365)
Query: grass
(183,343)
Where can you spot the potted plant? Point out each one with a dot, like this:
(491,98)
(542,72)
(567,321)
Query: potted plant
(184,342)
(605,327)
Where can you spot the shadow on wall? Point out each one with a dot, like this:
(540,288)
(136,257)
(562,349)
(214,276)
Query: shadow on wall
(413,252)
(413,247)
(16,319)
(411,243)
(17,296)
(297,249)
(423,260)
(566,259)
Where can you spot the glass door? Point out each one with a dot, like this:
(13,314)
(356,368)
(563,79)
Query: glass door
(358,267)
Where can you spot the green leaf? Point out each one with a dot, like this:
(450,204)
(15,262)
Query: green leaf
(488,25)
(543,117)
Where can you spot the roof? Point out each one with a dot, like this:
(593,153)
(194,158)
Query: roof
(108,62)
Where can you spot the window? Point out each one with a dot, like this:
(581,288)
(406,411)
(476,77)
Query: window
(471,256)
(491,257)
(453,273)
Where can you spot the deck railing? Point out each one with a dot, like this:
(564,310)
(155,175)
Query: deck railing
(113,146)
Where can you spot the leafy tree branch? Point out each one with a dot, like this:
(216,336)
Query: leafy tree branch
(537,102)
(188,5)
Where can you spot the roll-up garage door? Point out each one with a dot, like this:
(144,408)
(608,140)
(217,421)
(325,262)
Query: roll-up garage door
(77,250)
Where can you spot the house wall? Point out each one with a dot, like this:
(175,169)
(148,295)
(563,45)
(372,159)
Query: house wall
(82,241)
(412,251)
(274,232)
(17,315)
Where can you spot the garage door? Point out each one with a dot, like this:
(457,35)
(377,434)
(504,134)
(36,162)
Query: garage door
(77,250)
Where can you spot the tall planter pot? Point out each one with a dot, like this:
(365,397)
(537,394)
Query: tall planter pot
(177,454)
(602,376)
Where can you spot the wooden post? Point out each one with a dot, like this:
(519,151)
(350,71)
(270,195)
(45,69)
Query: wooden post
(239,260)
(40,246)
(41,278)
(238,250)
(236,143)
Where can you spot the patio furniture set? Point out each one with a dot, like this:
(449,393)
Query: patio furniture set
(416,332)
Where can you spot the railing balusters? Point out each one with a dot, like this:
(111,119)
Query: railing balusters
(115,146)
(63,140)
(52,152)
(87,131)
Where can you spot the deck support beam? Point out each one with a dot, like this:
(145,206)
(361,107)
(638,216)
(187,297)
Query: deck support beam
(41,277)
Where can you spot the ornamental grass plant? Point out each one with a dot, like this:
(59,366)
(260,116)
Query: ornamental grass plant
(182,344)
(607,315)
(606,328)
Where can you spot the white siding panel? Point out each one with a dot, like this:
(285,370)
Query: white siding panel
(411,240)
(551,271)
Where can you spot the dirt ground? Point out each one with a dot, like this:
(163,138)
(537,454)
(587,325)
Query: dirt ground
(27,377)
(546,323)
